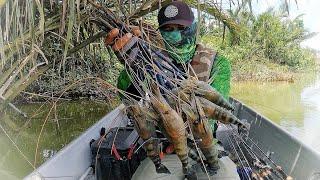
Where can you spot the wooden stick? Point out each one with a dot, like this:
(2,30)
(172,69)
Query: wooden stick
(2,102)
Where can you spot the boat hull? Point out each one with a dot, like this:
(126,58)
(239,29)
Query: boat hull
(297,159)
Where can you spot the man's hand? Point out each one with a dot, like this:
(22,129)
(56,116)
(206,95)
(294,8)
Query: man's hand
(124,45)
(117,41)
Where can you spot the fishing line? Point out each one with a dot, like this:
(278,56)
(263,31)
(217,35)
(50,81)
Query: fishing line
(198,151)
(234,149)
(237,155)
(240,138)
(242,160)
(231,129)
(257,159)
(277,167)
(253,152)
(241,151)
(18,149)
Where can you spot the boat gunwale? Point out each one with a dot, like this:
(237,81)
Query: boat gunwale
(278,127)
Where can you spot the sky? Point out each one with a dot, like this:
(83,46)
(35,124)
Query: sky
(311,17)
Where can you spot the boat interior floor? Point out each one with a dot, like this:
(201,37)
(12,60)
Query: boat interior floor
(147,170)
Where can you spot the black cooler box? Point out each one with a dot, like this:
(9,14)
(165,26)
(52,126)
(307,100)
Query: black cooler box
(114,157)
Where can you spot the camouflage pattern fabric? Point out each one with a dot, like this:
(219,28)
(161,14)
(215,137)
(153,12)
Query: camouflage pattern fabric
(202,62)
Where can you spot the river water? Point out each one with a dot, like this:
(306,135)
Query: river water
(62,126)
(294,106)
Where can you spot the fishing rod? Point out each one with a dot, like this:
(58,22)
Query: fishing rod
(258,162)
(246,172)
(256,169)
(278,168)
(246,175)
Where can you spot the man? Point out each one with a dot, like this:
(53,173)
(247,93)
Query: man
(178,27)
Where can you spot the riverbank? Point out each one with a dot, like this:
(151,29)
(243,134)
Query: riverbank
(242,70)
(261,72)
(250,61)
(268,72)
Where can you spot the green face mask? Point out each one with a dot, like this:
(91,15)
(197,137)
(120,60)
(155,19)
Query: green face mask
(181,44)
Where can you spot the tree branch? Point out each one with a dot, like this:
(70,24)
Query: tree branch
(2,104)
(87,42)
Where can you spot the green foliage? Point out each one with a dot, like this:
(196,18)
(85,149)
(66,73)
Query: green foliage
(280,39)
(269,47)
